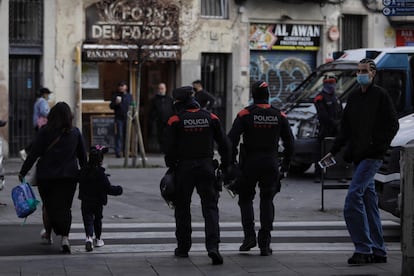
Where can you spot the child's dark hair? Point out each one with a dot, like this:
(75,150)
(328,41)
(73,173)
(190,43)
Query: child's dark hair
(96,155)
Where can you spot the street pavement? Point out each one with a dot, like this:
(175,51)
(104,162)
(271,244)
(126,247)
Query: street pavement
(138,229)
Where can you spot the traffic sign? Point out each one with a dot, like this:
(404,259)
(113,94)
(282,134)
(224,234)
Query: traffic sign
(396,11)
(398,7)
(398,3)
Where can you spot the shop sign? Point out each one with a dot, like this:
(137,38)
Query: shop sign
(132,22)
(285,37)
(98,52)
(405,37)
(108,54)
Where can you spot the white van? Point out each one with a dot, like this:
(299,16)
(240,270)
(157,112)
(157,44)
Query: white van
(394,73)
(387,180)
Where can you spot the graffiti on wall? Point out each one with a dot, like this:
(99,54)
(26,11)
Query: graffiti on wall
(282,72)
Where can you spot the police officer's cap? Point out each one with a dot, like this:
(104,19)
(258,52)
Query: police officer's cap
(260,90)
(183,93)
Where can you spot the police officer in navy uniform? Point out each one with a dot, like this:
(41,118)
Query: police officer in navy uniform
(329,111)
(189,141)
(261,126)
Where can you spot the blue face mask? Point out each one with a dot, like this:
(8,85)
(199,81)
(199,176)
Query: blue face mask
(363,79)
(329,87)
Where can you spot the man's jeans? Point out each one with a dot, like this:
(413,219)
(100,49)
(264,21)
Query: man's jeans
(361,210)
(120,126)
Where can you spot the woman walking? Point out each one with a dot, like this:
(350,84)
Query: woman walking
(61,151)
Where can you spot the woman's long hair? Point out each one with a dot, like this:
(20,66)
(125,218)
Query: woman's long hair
(60,117)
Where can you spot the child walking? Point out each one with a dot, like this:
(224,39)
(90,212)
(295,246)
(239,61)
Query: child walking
(94,186)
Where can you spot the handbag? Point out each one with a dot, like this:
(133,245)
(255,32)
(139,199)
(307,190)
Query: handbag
(24,200)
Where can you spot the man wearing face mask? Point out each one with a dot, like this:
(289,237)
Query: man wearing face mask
(329,112)
(368,125)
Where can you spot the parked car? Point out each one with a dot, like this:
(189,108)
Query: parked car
(387,180)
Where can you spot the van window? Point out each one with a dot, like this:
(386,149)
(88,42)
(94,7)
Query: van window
(393,81)
(345,79)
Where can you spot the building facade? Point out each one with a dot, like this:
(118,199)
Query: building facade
(81,49)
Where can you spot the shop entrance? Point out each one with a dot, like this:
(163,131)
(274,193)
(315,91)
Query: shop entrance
(99,82)
(24,81)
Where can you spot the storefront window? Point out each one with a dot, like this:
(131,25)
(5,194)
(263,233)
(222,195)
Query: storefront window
(90,81)
(214,8)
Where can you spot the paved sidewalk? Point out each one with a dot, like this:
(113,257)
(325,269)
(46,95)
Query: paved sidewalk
(298,201)
(283,264)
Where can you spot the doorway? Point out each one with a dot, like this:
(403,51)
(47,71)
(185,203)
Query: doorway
(214,76)
(24,82)
(154,73)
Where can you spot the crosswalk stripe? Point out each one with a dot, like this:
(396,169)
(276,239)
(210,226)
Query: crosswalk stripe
(223,234)
(200,247)
(160,237)
(124,225)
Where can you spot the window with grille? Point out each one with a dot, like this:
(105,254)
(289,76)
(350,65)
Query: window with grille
(352,31)
(214,8)
(26,22)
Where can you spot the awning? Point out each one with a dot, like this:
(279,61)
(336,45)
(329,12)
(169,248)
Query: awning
(113,52)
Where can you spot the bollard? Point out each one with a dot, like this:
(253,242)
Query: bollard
(407,209)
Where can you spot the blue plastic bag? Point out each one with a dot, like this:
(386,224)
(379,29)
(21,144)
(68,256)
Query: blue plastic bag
(24,200)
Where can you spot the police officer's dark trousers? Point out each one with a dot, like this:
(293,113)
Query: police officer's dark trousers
(197,173)
(261,169)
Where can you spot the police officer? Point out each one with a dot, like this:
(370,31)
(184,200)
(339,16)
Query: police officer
(261,126)
(190,136)
(329,111)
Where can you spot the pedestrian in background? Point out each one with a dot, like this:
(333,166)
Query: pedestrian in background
(60,150)
(368,125)
(120,102)
(40,111)
(204,98)
(190,137)
(329,112)
(161,109)
(94,188)
(262,126)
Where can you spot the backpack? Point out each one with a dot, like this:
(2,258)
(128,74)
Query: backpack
(24,200)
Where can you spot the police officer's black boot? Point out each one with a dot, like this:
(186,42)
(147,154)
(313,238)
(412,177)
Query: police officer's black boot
(264,239)
(215,256)
(180,253)
(249,241)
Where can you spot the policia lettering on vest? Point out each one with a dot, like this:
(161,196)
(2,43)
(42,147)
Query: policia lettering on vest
(261,126)
(189,143)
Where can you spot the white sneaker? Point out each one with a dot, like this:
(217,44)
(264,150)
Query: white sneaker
(89,244)
(99,242)
(23,154)
(45,238)
(65,245)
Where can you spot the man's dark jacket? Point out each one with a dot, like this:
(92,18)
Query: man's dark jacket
(121,109)
(368,125)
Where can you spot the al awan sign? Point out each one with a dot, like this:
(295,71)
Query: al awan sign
(285,37)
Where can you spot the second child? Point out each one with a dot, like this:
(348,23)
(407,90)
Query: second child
(94,188)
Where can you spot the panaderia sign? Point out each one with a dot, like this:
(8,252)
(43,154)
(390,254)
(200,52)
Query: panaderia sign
(143,22)
(285,37)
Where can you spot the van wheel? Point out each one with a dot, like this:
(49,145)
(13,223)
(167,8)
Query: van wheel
(299,168)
